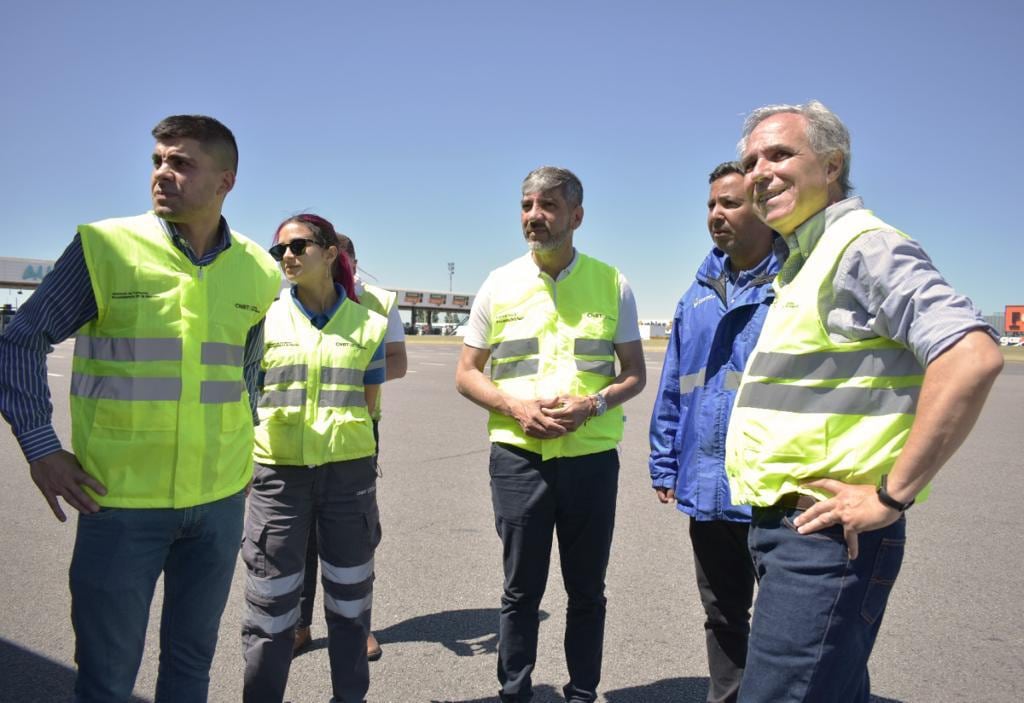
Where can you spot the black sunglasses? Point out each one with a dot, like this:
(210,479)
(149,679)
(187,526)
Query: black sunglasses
(296,246)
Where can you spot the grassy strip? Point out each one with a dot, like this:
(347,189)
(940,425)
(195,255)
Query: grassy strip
(1013,353)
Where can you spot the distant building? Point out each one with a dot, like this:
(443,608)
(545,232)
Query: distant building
(655,329)
(1013,323)
(998,323)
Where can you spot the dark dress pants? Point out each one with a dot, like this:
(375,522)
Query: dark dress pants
(725,579)
(573,497)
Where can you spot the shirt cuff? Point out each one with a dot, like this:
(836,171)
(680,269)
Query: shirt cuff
(39,442)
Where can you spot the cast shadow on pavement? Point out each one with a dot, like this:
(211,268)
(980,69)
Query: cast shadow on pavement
(680,690)
(541,694)
(29,676)
(467,633)
(693,689)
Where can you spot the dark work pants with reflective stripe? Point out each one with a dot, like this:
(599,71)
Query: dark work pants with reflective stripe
(313,560)
(342,498)
(573,497)
(725,579)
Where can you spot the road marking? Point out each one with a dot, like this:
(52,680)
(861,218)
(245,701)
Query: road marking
(55,375)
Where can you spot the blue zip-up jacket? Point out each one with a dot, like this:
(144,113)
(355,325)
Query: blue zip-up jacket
(714,331)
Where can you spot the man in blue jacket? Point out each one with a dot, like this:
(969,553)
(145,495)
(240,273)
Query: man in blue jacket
(714,330)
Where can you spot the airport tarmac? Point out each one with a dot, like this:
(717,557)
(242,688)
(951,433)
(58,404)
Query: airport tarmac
(952,631)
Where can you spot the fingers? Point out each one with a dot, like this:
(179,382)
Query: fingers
(51,500)
(59,476)
(812,513)
(86,479)
(827,484)
(542,428)
(80,500)
(851,542)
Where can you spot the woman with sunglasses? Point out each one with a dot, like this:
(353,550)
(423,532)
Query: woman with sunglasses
(323,362)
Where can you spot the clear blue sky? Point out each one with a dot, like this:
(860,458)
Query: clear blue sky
(411,124)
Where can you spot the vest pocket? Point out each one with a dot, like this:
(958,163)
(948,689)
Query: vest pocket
(279,434)
(804,441)
(234,416)
(347,433)
(136,415)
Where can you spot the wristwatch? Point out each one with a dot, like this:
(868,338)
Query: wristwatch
(600,405)
(888,500)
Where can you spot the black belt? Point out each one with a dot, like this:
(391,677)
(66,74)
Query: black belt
(795,501)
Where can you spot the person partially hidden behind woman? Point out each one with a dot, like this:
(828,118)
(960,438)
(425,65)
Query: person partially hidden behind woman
(315,461)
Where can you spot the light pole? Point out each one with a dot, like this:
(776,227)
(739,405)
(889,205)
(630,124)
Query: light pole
(451,272)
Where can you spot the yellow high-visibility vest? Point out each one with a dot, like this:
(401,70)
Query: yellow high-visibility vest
(810,407)
(160,413)
(313,409)
(377,299)
(380,301)
(549,342)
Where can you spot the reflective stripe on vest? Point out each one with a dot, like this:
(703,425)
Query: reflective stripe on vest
(594,347)
(349,377)
(837,365)
(220,391)
(342,399)
(511,369)
(515,347)
(125,387)
(691,381)
(146,389)
(834,401)
(286,374)
(127,348)
(527,347)
(220,353)
(293,397)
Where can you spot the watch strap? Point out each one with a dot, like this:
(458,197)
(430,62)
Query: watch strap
(888,500)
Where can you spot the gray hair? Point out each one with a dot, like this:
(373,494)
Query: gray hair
(550,177)
(724,169)
(825,132)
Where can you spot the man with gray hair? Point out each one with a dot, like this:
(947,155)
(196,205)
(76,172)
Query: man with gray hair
(552,324)
(869,373)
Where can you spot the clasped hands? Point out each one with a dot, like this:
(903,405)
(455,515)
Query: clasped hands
(547,418)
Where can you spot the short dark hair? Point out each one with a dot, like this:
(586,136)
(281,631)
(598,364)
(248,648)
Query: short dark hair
(215,139)
(724,169)
(346,245)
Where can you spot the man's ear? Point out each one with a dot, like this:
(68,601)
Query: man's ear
(577,216)
(227,182)
(834,167)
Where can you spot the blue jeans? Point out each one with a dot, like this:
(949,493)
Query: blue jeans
(119,555)
(817,613)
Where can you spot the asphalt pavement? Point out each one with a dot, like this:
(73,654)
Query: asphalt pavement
(952,631)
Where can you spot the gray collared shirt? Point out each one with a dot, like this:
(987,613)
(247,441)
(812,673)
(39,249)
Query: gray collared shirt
(885,286)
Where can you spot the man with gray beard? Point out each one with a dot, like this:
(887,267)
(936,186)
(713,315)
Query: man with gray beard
(552,324)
